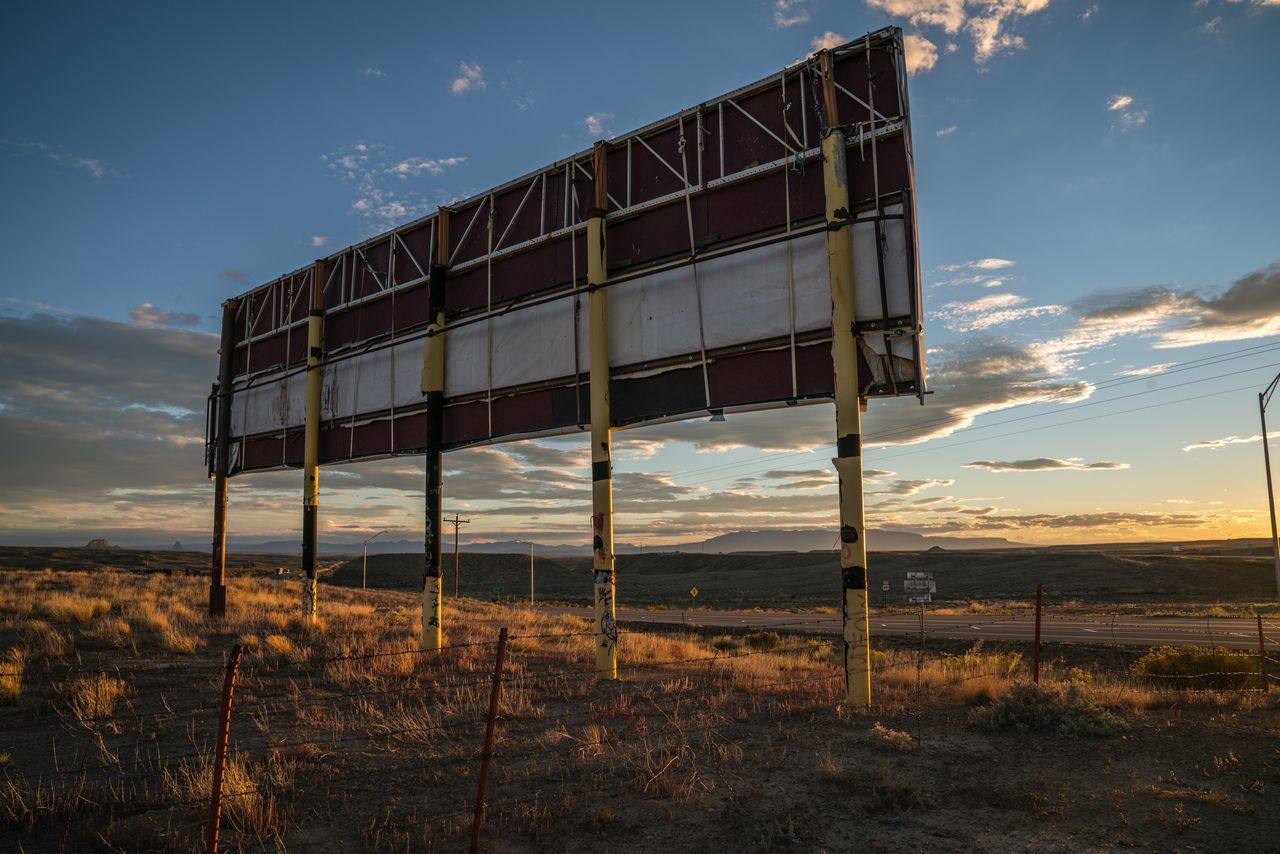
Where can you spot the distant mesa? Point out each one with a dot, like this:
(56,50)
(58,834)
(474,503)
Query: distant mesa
(177,546)
(99,543)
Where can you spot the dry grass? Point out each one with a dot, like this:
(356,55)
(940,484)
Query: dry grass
(12,665)
(93,698)
(692,721)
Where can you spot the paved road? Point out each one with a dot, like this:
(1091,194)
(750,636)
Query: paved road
(1129,631)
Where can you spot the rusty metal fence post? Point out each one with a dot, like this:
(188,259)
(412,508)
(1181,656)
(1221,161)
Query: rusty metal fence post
(220,755)
(1035,666)
(486,757)
(1262,654)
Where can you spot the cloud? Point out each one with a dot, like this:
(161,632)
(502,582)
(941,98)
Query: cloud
(234,275)
(366,166)
(597,123)
(909,487)
(1147,371)
(373,71)
(1211,26)
(921,54)
(524,103)
(826,41)
(1215,444)
(1129,118)
(92,165)
(970,378)
(147,314)
(985,264)
(93,406)
(415,166)
(992,311)
(470,79)
(946,131)
(1043,464)
(988,23)
(318,240)
(1089,12)
(1248,308)
(789,13)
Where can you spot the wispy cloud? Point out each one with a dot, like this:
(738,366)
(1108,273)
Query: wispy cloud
(147,314)
(368,168)
(415,166)
(1130,117)
(1089,12)
(789,13)
(319,240)
(946,131)
(1043,464)
(92,165)
(1119,102)
(597,123)
(470,79)
(1215,444)
(374,71)
(234,275)
(995,310)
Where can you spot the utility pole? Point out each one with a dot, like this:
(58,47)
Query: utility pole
(222,461)
(455,521)
(1264,397)
(531,572)
(364,562)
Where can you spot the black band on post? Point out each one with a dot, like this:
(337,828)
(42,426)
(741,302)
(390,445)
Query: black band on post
(849,446)
(601,470)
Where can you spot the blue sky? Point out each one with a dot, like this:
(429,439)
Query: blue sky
(1094,178)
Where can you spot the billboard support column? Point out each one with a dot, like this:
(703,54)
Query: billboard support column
(222,461)
(606,629)
(433,387)
(844,353)
(311,443)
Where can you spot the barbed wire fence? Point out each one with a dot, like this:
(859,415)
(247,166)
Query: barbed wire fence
(368,709)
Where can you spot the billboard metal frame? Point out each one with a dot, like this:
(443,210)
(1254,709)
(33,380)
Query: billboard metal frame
(645,172)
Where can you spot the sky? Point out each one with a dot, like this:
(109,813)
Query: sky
(1098,204)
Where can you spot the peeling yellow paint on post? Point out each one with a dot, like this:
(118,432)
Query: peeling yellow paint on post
(432,385)
(606,631)
(311,444)
(844,354)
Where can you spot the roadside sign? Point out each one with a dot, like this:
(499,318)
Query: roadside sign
(926,576)
(498,589)
(920,600)
(693,591)
(884,585)
(916,585)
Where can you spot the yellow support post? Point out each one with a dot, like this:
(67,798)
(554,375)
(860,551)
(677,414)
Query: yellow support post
(844,354)
(606,635)
(433,387)
(311,443)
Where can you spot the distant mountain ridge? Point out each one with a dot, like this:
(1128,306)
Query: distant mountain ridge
(801,540)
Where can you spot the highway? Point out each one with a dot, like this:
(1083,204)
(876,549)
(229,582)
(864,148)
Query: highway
(1127,631)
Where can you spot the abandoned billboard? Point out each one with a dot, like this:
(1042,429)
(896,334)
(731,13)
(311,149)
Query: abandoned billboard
(717,277)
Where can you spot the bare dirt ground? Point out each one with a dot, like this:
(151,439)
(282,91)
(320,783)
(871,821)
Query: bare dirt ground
(345,739)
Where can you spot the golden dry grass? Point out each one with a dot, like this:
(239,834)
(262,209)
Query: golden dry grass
(354,700)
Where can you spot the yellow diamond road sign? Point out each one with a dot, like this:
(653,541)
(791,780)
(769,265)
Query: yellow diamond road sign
(693,591)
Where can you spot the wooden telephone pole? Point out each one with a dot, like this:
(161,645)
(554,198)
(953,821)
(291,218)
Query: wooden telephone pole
(455,521)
